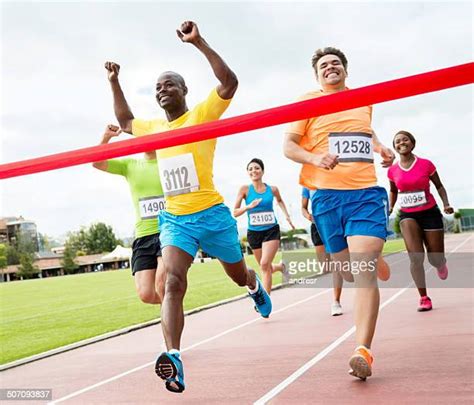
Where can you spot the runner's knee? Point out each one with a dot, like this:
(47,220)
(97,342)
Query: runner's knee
(147,295)
(266,265)
(240,279)
(175,284)
(365,278)
(436,259)
(416,260)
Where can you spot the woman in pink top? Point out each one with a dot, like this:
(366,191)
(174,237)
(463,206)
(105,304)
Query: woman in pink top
(421,221)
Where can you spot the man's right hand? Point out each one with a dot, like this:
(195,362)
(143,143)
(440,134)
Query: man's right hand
(325,160)
(113,70)
(110,132)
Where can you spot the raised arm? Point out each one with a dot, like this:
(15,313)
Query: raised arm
(189,32)
(110,132)
(122,110)
(393,196)
(442,192)
(282,205)
(295,152)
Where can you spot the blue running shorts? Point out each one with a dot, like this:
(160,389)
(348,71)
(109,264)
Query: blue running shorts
(342,213)
(213,229)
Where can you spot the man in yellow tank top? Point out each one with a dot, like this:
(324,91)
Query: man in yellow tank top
(195,215)
(350,210)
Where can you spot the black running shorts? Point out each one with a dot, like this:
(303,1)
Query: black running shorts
(315,237)
(256,238)
(428,220)
(146,250)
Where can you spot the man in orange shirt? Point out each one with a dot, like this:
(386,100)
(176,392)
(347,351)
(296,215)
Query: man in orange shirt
(350,210)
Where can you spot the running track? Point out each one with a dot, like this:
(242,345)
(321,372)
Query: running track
(297,356)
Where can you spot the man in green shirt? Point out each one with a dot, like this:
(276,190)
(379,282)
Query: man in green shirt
(148,200)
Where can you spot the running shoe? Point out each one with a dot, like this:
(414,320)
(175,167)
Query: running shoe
(336,309)
(169,368)
(425,304)
(443,272)
(262,300)
(383,270)
(361,363)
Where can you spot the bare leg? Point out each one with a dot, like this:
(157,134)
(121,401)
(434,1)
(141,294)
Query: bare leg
(337,280)
(176,264)
(413,238)
(339,262)
(367,296)
(435,247)
(160,279)
(258,255)
(145,286)
(269,250)
(240,274)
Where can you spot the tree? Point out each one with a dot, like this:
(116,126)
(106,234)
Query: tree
(27,268)
(46,243)
(13,255)
(23,245)
(3,258)
(457,222)
(68,262)
(77,241)
(396,224)
(292,232)
(100,238)
(97,238)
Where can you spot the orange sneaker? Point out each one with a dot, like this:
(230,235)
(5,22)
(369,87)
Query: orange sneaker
(361,363)
(383,270)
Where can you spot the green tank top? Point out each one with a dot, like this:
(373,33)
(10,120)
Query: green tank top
(145,187)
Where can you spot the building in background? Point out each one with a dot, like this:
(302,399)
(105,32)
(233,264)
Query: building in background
(14,228)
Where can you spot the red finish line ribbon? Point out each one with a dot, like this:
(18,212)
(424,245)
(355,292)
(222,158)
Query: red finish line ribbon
(377,93)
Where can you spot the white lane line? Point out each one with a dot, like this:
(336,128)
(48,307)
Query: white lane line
(210,339)
(116,377)
(321,355)
(328,349)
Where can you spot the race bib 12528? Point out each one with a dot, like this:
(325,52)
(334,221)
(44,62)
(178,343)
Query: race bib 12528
(351,146)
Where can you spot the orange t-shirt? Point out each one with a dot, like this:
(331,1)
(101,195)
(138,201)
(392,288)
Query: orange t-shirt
(347,134)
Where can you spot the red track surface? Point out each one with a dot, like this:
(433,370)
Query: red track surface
(235,357)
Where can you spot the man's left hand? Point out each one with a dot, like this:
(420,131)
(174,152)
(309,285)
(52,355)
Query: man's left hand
(387,156)
(189,32)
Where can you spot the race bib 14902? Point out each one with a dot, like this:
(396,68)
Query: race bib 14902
(178,175)
(150,207)
(412,199)
(351,146)
(262,218)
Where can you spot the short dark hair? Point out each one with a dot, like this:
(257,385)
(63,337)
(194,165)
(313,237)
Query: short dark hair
(257,161)
(177,76)
(328,51)
(406,133)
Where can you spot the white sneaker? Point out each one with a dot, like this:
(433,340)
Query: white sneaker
(336,309)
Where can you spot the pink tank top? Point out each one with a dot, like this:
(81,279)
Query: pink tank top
(413,185)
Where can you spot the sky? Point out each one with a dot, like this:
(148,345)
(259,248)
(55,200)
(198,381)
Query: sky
(55,95)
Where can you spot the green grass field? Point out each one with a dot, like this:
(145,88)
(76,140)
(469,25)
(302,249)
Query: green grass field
(43,314)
